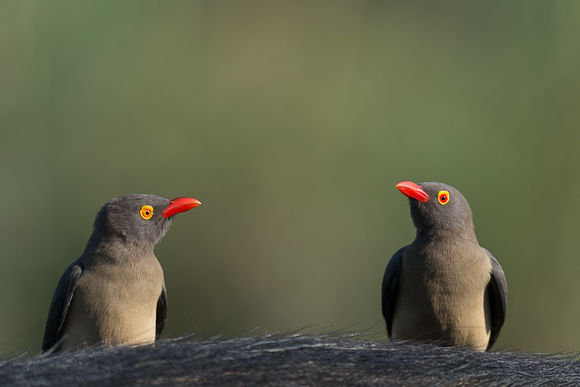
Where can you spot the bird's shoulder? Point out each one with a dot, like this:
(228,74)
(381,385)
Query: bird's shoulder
(498,294)
(390,287)
(496,271)
(59,306)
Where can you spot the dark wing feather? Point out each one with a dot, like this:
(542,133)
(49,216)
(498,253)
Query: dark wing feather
(390,287)
(59,306)
(497,291)
(161,312)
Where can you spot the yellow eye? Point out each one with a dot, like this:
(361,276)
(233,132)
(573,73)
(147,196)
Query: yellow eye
(146,212)
(443,197)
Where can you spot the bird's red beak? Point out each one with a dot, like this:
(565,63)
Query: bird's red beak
(178,205)
(412,190)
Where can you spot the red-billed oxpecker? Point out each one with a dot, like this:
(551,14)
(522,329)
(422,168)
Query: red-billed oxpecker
(443,288)
(114,293)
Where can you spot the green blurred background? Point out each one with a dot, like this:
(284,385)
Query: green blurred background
(292,122)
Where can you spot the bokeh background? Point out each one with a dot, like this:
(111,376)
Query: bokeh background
(292,122)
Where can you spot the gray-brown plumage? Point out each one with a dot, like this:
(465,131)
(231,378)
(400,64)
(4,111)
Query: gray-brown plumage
(114,293)
(443,287)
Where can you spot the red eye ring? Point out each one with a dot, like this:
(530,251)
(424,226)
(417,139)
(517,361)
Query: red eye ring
(443,197)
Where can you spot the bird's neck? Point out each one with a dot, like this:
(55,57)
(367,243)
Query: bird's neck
(117,248)
(437,233)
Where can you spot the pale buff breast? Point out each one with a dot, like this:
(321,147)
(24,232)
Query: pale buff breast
(442,296)
(115,304)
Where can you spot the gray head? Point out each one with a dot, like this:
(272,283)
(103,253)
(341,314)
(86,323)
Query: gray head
(138,219)
(437,207)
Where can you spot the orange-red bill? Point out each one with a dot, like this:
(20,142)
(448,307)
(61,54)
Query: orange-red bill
(412,190)
(178,205)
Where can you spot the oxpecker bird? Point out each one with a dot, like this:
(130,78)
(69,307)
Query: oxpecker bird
(443,288)
(114,293)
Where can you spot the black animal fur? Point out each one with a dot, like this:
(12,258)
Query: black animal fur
(287,360)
